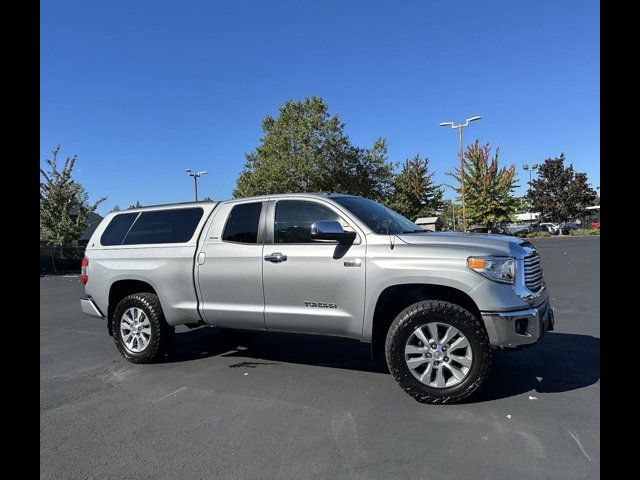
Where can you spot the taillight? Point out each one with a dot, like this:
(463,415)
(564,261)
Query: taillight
(83,271)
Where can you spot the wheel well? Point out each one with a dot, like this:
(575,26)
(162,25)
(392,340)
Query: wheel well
(121,289)
(396,298)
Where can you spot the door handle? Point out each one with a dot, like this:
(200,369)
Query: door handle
(201,258)
(276,257)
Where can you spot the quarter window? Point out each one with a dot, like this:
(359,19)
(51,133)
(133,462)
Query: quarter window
(242,224)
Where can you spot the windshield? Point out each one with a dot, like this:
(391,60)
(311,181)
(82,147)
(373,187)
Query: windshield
(380,219)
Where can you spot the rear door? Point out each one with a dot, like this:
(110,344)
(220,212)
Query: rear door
(229,267)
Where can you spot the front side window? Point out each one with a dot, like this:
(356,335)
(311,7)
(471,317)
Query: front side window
(294,219)
(164,226)
(242,224)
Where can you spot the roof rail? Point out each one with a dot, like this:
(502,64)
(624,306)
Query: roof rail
(171,204)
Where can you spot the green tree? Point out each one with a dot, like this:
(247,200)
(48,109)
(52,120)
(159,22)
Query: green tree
(414,192)
(451,215)
(304,149)
(522,205)
(560,193)
(489,189)
(64,203)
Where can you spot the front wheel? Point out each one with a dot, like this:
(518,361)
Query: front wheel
(139,328)
(438,351)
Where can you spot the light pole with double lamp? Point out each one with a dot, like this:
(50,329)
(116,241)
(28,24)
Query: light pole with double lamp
(460,126)
(533,167)
(195,176)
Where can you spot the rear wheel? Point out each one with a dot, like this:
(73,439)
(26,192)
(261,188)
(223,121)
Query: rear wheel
(140,331)
(438,352)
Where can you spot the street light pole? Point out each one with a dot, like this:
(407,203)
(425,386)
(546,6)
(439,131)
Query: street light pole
(195,186)
(525,167)
(195,176)
(460,126)
(453,206)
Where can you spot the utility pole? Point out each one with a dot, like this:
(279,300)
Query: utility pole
(195,176)
(533,167)
(460,126)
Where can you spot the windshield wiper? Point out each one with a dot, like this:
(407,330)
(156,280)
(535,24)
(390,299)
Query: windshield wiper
(413,231)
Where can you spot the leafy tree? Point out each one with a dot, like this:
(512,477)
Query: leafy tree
(451,215)
(522,205)
(116,208)
(135,205)
(304,149)
(560,193)
(414,192)
(489,190)
(64,203)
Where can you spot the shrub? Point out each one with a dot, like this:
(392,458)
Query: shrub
(585,231)
(60,259)
(538,235)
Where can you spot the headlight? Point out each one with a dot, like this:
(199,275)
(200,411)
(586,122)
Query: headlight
(499,269)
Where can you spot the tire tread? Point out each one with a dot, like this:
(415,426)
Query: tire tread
(161,333)
(448,310)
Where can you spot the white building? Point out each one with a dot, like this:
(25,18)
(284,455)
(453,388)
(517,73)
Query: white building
(433,224)
(527,217)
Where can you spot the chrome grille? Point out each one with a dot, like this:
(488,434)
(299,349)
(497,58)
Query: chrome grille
(533,272)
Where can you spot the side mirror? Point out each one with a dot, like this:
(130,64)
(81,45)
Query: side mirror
(331,230)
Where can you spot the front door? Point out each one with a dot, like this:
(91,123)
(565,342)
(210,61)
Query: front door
(311,286)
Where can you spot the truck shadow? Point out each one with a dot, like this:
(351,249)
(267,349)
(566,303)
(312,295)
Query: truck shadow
(560,362)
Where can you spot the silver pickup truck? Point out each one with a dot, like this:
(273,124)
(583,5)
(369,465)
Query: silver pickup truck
(432,304)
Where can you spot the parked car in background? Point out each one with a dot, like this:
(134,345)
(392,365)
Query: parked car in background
(554,227)
(568,227)
(493,230)
(518,229)
(544,227)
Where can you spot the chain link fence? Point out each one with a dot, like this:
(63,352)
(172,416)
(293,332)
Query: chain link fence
(60,259)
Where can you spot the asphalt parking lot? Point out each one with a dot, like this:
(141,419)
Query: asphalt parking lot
(277,406)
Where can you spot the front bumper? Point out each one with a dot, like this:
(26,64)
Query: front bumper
(90,308)
(519,328)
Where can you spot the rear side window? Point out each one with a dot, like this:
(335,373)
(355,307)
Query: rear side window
(117,229)
(164,226)
(242,224)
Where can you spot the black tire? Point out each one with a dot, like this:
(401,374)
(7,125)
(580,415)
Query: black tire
(428,311)
(161,333)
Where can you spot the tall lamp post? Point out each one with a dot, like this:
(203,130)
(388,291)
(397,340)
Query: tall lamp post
(195,176)
(460,126)
(533,167)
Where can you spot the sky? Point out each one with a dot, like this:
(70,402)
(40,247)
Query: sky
(141,90)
